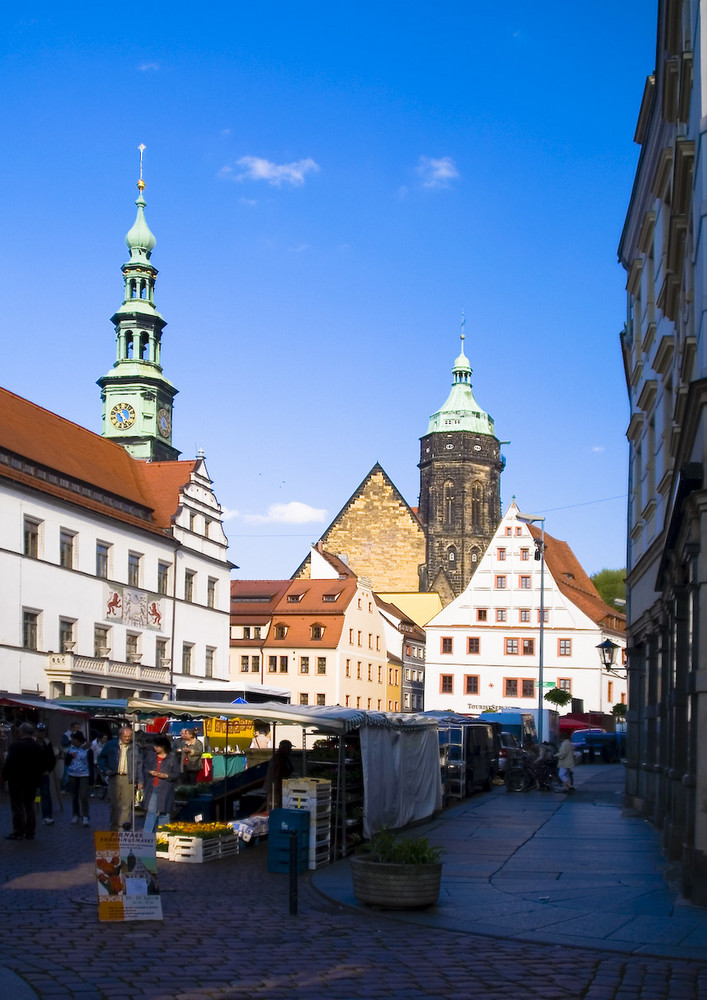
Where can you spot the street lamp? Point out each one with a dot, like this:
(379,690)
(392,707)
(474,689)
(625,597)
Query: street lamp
(539,554)
(607,653)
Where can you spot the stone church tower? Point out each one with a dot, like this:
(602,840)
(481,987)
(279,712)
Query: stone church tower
(137,397)
(460,495)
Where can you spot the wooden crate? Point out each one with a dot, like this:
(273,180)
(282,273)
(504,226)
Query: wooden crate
(198,850)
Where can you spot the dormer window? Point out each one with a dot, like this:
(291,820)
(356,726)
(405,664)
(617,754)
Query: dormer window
(317,631)
(294,598)
(330,598)
(280,631)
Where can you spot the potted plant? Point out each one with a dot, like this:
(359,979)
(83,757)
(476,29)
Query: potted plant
(395,873)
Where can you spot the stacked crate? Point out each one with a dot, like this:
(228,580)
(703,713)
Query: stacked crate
(313,795)
(281,823)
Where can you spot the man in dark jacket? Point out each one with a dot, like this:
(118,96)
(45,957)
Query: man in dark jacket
(24,765)
(120,762)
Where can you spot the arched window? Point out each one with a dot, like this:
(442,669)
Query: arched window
(144,346)
(280,631)
(477,506)
(451,554)
(474,555)
(449,502)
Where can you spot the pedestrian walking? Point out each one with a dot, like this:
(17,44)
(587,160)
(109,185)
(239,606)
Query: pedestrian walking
(565,763)
(162,772)
(45,782)
(121,764)
(23,768)
(79,760)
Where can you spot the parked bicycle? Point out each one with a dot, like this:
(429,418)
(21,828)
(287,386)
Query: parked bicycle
(525,774)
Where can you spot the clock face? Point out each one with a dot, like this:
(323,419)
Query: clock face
(122,416)
(164,422)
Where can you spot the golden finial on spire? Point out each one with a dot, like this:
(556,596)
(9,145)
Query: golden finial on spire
(141,183)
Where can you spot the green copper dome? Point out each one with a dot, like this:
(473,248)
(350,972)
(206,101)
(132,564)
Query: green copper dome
(461,412)
(139,239)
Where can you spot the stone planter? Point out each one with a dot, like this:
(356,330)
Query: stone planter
(390,886)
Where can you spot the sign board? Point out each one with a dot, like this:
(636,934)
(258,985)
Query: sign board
(126,876)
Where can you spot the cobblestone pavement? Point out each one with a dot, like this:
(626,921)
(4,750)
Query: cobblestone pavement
(228,935)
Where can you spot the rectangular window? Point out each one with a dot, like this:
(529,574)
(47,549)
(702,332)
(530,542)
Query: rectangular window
(370,672)
(509,531)
(321,665)
(160,652)
(609,691)
(446,644)
(471,684)
(358,638)
(283,664)
(133,569)
(446,683)
(564,684)
(380,675)
(317,631)
(209,662)
(564,647)
(304,699)
(528,647)
(162,577)
(256,631)
(255,664)
(500,583)
(511,647)
(132,642)
(545,616)
(101,640)
(245,664)
(186,658)
(510,687)
(102,560)
(370,640)
(30,629)
(66,549)
(351,637)
(358,670)
(519,531)
(66,635)
(524,582)
(246,631)
(272,664)
(528,690)
(348,668)
(500,614)
(501,554)
(481,614)
(31,538)
(524,615)
(321,699)
(211,592)
(304,664)
(525,555)
(189,577)
(473,645)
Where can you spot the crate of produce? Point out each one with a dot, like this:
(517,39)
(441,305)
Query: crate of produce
(198,850)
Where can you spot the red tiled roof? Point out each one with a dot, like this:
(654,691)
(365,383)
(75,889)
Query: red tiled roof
(299,631)
(62,459)
(575,585)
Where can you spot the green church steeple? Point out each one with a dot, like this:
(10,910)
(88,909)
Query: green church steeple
(137,398)
(461,412)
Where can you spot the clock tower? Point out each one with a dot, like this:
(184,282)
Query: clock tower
(137,398)
(460,487)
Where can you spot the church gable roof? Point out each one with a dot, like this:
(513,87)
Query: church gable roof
(364,491)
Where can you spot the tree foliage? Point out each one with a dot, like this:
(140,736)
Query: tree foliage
(556,696)
(619,710)
(611,584)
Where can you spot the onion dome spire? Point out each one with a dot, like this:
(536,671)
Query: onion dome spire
(139,239)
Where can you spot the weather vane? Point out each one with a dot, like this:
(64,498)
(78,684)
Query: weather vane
(141,183)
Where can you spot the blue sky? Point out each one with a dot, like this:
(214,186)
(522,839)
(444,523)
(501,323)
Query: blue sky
(330,186)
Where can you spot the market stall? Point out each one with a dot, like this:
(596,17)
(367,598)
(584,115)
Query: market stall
(399,755)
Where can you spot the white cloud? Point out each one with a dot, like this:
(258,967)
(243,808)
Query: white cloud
(288,513)
(597,448)
(255,168)
(437,172)
(149,67)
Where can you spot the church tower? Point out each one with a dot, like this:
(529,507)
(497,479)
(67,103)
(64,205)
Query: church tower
(137,398)
(460,492)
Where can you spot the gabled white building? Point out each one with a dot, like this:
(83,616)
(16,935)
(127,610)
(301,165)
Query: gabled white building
(483,648)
